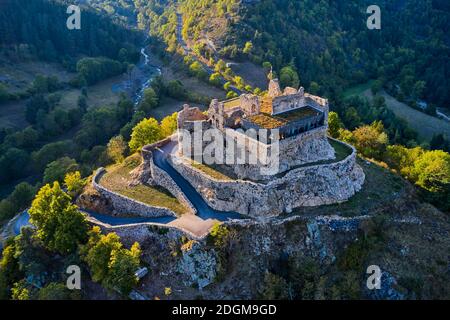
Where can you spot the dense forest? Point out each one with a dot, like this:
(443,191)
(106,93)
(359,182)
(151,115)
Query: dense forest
(38,28)
(328,42)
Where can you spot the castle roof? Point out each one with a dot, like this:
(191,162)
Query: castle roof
(268,121)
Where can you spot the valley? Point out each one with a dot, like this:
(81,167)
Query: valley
(95,173)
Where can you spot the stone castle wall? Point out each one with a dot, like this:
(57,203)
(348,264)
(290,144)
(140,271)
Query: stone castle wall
(305,186)
(308,147)
(161,178)
(126,206)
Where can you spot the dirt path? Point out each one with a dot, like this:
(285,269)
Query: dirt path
(193,224)
(425,125)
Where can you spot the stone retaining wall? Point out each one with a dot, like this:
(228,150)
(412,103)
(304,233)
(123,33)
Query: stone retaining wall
(126,206)
(140,231)
(305,186)
(162,178)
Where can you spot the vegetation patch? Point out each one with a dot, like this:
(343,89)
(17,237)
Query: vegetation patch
(212,171)
(358,89)
(381,186)
(117,179)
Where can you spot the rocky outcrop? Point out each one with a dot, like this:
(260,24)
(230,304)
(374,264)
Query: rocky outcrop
(94,201)
(198,266)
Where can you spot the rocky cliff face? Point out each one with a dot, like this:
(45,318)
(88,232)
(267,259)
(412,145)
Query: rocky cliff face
(92,200)
(314,257)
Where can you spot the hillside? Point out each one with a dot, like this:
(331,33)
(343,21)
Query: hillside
(326,41)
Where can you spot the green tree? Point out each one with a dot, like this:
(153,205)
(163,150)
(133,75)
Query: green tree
(74,183)
(150,101)
(215,79)
(50,152)
(20,291)
(231,94)
(22,195)
(371,140)
(418,89)
(196,69)
(169,124)
(122,266)
(227,85)
(110,263)
(218,235)
(289,77)
(267,66)
(7,209)
(145,132)
(376,86)
(334,124)
(9,271)
(13,164)
(57,170)
(248,47)
(4,95)
(175,89)
(220,66)
(431,171)
(97,252)
(352,118)
(117,148)
(275,287)
(314,87)
(60,225)
(56,291)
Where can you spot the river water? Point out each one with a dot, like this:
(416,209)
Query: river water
(139,79)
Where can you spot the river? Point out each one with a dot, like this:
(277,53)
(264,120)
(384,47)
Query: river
(139,79)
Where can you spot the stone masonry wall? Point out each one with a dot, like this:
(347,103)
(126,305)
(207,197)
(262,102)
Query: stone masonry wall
(306,186)
(308,147)
(140,231)
(126,206)
(161,178)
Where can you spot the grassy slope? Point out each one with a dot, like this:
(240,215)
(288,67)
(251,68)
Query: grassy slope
(424,124)
(381,186)
(358,89)
(19,79)
(118,177)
